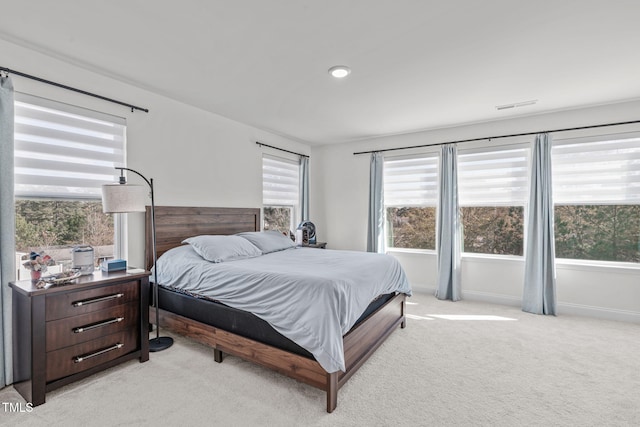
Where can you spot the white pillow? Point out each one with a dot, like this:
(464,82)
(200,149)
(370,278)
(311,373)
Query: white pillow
(223,248)
(268,241)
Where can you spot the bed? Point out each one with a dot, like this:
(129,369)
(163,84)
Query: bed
(238,332)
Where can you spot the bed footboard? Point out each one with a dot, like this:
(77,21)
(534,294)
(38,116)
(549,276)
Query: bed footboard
(359,344)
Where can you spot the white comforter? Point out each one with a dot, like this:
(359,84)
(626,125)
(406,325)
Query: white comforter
(311,296)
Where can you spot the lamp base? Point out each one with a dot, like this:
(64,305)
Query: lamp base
(160,343)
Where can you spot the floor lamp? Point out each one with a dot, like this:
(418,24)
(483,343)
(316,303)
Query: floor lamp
(124,198)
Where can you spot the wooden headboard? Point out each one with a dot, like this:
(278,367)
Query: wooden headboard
(176,223)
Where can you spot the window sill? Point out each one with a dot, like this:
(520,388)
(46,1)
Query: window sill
(411,251)
(576,264)
(465,255)
(491,257)
(561,263)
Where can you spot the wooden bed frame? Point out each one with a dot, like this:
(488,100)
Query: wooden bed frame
(174,224)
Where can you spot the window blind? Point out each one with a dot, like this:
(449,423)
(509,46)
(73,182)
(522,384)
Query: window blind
(64,151)
(493,178)
(280,182)
(597,170)
(411,181)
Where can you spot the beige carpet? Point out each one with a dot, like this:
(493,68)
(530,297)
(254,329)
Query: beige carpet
(440,371)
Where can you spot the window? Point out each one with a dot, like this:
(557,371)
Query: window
(280,193)
(596,193)
(410,199)
(493,186)
(63,154)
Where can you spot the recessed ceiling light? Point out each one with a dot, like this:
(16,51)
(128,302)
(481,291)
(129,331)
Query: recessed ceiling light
(339,71)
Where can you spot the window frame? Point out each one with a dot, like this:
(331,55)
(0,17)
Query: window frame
(117,157)
(566,141)
(295,206)
(430,199)
(523,202)
(566,263)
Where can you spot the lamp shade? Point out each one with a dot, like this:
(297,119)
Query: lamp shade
(120,198)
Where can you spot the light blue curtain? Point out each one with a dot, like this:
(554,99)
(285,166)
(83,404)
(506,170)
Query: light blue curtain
(7,228)
(449,241)
(304,188)
(539,294)
(375,230)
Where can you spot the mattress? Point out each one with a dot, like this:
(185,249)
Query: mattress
(310,296)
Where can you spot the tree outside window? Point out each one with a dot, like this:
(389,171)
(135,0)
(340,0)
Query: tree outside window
(598,232)
(411,227)
(277,218)
(493,230)
(54,227)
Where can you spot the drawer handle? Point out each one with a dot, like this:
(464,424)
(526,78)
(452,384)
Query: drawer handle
(97,325)
(79,359)
(94,300)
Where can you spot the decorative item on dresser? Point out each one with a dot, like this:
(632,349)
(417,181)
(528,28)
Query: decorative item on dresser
(123,198)
(67,332)
(240,333)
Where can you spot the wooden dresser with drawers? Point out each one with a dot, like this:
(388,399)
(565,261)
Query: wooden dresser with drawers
(67,332)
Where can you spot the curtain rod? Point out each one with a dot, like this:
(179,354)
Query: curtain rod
(497,137)
(281,149)
(84,92)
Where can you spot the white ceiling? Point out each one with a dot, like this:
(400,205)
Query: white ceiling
(417,64)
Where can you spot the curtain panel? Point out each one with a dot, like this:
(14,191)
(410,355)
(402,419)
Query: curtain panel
(375,230)
(449,231)
(304,188)
(539,295)
(7,227)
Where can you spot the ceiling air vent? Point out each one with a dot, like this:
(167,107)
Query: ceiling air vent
(516,104)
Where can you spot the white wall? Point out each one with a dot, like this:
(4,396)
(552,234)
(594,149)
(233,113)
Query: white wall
(194,157)
(340,198)
(199,158)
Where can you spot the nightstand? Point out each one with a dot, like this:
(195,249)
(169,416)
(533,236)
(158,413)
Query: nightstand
(68,332)
(317,245)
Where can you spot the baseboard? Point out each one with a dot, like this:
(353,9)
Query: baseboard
(562,308)
(492,298)
(474,296)
(599,312)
